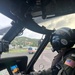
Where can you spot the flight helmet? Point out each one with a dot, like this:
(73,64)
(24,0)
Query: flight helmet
(62,38)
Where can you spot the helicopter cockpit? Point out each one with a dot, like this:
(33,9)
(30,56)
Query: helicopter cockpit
(41,16)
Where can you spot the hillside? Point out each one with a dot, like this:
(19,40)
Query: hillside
(24,41)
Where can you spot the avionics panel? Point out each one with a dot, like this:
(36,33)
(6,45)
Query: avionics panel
(14,65)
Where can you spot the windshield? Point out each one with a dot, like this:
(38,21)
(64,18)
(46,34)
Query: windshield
(28,43)
(24,45)
(45,59)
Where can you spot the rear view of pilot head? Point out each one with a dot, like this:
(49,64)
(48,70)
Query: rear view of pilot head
(62,38)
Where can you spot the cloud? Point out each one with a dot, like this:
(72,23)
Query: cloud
(62,21)
(31,34)
(4,21)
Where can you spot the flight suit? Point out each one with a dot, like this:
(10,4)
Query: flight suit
(68,66)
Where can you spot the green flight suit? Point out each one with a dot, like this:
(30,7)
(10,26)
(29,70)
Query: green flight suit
(68,67)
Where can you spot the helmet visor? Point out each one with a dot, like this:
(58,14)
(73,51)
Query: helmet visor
(55,43)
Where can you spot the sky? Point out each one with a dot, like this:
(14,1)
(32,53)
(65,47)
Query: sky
(54,23)
(5,22)
(62,21)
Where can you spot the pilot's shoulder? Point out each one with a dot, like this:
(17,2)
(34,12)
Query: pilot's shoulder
(71,56)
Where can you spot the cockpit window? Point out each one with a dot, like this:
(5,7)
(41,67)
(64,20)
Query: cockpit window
(28,43)
(57,22)
(5,24)
(24,45)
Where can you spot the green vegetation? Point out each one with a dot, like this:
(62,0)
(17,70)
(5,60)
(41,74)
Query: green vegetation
(24,41)
(17,50)
(21,44)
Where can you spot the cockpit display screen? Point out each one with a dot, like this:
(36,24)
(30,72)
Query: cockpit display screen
(14,69)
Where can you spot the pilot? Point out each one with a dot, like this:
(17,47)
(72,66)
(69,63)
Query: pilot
(62,41)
